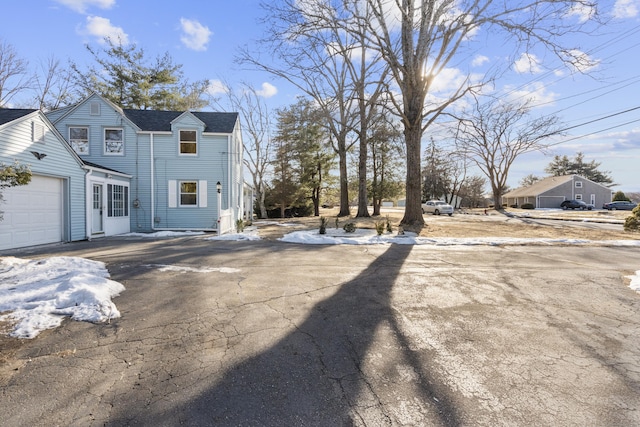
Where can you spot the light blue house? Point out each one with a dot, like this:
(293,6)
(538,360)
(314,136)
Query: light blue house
(185,168)
(55,205)
(51,208)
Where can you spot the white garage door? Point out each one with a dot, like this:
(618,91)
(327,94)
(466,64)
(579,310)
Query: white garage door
(32,213)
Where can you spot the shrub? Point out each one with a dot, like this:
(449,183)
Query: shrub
(323,225)
(239,225)
(527,206)
(349,227)
(632,223)
(380,225)
(389,225)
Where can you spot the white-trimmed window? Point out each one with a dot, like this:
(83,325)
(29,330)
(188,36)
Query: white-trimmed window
(188,193)
(37,132)
(79,139)
(188,142)
(117,200)
(578,196)
(578,184)
(114,141)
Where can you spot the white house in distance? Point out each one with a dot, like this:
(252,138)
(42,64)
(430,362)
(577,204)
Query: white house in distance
(552,191)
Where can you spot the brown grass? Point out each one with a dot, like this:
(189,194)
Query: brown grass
(472,223)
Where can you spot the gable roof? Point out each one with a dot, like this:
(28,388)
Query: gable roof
(160,121)
(10,114)
(539,187)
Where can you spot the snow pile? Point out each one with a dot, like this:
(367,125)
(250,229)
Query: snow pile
(369,237)
(635,281)
(38,294)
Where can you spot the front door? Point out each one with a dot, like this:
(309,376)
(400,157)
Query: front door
(97,222)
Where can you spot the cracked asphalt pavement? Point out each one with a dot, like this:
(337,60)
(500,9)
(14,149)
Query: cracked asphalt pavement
(306,335)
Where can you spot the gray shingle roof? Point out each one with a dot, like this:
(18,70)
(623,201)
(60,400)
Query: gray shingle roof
(160,121)
(10,114)
(539,187)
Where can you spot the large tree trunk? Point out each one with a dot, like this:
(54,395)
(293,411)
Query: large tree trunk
(363,202)
(413,208)
(344,188)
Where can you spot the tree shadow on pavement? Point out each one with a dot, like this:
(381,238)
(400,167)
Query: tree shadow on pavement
(314,375)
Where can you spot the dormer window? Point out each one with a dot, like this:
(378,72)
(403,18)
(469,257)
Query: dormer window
(188,142)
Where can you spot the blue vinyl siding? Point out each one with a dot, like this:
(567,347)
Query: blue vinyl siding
(152,158)
(59,162)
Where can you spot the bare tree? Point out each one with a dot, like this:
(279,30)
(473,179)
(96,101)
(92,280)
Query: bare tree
(53,85)
(314,54)
(14,77)
(255,119)
(420,38)
(496,133)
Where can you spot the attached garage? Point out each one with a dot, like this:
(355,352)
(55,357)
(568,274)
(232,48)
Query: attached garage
(51,208)
(33,214)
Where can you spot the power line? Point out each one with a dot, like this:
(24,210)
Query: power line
(594,132)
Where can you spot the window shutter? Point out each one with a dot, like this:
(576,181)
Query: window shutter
(173,193)
(202,193)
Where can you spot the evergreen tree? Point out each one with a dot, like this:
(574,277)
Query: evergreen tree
(124,76)
(302,158)
(563,165)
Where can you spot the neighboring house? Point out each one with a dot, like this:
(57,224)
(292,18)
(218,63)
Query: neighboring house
(552,191)
(51,208)
(176,161)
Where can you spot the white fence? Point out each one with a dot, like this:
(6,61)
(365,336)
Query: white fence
(226,223)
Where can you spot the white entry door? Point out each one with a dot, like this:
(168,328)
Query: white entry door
(97,224)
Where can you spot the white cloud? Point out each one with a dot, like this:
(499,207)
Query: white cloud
(536,92)
(81,6)
(195,35)
(580,61)
(527,63)
(479,60)
(625,9)
(102,28)
(216,87)
(582,12)
(268,90)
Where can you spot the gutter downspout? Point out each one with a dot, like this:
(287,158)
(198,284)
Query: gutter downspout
(153,190)
(88,199)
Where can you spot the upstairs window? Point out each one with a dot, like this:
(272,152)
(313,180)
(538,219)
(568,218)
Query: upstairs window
(578,184)
(79,139)
(188,142)
(113,141)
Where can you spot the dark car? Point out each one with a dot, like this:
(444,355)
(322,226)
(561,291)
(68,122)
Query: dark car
(575,204)
(619,206)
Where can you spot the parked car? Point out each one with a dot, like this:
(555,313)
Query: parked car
(619,206)
(575,204)
(437,207)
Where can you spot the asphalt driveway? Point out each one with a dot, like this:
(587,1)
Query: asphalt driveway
(301,335)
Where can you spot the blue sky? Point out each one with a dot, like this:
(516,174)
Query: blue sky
(204,36)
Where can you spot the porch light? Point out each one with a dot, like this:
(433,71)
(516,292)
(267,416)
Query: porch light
(218,186)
